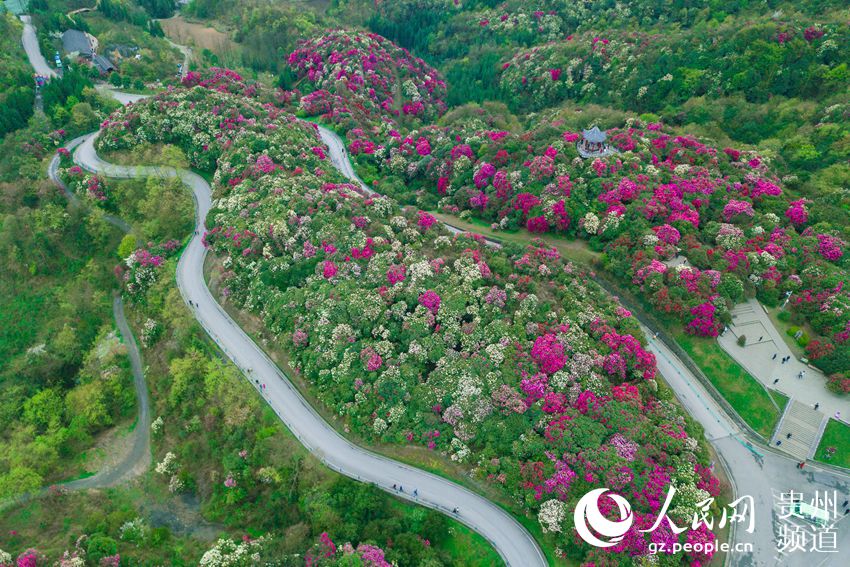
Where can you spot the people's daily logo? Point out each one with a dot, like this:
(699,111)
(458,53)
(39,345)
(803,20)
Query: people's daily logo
(587,516)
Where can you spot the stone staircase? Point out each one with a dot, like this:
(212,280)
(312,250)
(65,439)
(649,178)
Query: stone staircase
(805,424)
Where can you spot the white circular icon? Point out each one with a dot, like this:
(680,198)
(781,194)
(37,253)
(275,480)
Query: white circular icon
(587,514)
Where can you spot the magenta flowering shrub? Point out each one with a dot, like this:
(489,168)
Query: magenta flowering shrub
(91,188)
(325,553)
(503,360)
(360,78)
(142,268)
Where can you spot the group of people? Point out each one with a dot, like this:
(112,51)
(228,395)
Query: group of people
(800,375)
(400,488)
(784,358)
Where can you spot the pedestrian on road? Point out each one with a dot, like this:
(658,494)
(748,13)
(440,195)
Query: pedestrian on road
(775,381)
(788,436)
(817,405)
(774,356)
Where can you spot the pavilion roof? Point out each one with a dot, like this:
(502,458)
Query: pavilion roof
(594,135)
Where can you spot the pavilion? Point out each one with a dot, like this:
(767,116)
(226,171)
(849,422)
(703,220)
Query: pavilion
(593,143)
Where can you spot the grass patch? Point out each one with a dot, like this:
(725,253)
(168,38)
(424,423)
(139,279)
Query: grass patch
(836,434)
(575,250)
(743,392)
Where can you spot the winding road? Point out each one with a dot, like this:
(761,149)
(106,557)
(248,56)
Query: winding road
(511,540)
(754,470)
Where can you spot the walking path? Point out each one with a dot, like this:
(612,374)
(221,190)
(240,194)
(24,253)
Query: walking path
(511,540)
(138,459)
(764,341)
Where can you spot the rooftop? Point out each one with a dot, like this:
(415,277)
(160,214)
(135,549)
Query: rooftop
(594,135)
(76,41)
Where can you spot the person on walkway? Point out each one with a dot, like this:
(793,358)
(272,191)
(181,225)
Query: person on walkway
(774,356)
(775,381)
(802,464)
(761,337)
(845,503)
(395,487)
(454,511)
(400,488)
(788,436)
(817,405)
(415,492)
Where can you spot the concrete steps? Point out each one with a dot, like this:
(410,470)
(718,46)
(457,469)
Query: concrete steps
(805,424)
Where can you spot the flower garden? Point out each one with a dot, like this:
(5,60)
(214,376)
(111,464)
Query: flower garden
(692,227)
(503,360)
(354,78)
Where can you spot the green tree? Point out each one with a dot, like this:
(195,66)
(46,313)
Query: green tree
(44,409)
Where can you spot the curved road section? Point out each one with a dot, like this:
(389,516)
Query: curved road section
(30,42)
(511,540)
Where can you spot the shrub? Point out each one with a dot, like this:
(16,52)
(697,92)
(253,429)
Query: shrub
(742,340)
(784,316)
(838,383)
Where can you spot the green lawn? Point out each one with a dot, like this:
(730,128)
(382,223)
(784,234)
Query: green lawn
(743,392)
(837,434)
(575,250)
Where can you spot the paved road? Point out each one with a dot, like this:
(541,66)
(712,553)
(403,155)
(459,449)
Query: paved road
(510,539)
(764,475)
(340,160)
(53,173)
(138,459)
(30,42)
(120,96)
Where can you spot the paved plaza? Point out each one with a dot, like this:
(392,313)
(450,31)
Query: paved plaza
(762,357)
